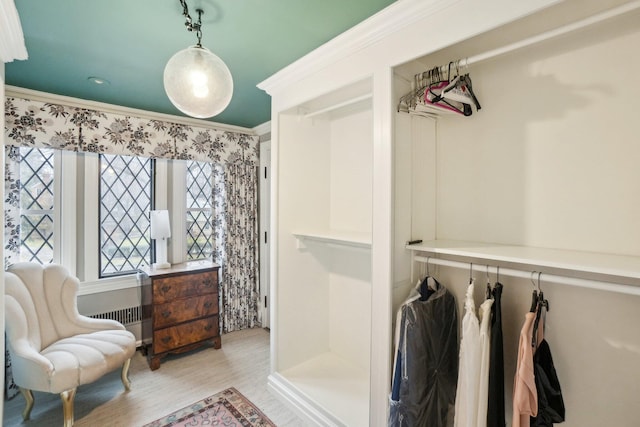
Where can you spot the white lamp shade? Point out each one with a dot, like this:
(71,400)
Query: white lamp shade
(160,228)
(198,82)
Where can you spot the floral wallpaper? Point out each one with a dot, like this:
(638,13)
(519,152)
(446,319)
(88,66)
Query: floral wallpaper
(234,155)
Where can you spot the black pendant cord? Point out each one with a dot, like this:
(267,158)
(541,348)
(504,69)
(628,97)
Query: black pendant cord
(193,26)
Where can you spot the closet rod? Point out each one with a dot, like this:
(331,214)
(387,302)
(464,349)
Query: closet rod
(611,13)
(562,280)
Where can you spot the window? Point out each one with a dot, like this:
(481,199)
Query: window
(36,204)
(198,210)
(126,189)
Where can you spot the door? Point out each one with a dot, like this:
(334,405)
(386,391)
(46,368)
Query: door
(265,217)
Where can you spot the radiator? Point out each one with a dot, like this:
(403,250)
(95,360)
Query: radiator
(130,317)
(126,316)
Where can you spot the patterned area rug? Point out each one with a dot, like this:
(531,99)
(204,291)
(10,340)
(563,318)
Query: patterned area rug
(227,408)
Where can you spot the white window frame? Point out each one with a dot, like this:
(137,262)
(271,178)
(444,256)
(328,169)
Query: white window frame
(177,206)
(64,202)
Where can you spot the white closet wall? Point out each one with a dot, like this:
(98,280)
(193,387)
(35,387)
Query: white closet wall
(551,159)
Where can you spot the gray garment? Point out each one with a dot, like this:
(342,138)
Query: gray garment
(426,370)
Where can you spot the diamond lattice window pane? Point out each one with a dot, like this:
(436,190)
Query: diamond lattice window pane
(36,204)
(125,200)
(198,185)
(199,235)
(37,238)
(199,194)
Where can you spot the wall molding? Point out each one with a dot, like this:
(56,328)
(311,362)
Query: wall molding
(11,36)
(262,129)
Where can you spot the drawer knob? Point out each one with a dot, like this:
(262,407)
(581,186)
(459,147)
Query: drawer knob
(208,304)
(165,339)
(166,314)
(208,327)
(165,288)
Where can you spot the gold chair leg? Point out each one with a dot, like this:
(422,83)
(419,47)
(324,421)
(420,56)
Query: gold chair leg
(124,375)
(28,396)
(67,406)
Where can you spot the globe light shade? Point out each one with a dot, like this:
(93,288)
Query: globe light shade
(198,82)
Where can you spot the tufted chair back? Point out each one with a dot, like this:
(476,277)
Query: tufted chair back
(45,297)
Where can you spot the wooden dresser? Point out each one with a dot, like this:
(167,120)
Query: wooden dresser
(180,309)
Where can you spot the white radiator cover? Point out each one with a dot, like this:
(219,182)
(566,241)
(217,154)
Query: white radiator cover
(122,305)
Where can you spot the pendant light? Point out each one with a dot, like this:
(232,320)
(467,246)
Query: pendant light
(197,81)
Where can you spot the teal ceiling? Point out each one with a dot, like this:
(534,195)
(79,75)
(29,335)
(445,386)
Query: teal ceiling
(129,42)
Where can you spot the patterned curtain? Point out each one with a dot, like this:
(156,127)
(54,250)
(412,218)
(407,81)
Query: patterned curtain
(234,156)
(236,244)
(11,206)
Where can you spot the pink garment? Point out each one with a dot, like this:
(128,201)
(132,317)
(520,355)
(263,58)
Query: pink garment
(525,396)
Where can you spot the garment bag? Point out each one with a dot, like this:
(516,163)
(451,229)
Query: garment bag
(426,367)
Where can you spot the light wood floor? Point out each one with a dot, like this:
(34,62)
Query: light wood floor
(242,362)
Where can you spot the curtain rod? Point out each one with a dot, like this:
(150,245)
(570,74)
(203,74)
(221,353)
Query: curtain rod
(562,280)
(602,16)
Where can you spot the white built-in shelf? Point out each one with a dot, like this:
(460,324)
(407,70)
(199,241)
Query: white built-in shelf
(588,262)
(338,388)
(342,238)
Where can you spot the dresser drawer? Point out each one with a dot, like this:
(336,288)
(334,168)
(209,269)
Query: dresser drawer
(177,336)
(171,288)
(184,309)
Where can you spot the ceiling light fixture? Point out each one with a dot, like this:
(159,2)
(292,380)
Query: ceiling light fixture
(98,80)
(197,81)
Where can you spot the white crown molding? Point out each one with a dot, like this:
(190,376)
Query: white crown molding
(263,129)
(11,37)
(35,95)
(368,32)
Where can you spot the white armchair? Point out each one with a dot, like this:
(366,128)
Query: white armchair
(53,348)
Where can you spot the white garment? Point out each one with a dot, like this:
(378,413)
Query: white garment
(469,368)
(485,346)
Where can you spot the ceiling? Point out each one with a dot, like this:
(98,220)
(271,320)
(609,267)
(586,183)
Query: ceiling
(129,42)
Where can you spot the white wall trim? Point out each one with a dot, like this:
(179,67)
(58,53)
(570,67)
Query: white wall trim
(305,407)
(66,209)
(262,129)
(35,95)
(107,285)
(177,206)
(11,37)
(389,20)
(90,214)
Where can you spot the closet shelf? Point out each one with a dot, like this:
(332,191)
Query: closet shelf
(588,262)
(342,238)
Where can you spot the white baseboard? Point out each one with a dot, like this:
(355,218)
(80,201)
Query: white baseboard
(301,404)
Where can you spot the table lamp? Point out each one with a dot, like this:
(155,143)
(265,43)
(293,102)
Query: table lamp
(160,231)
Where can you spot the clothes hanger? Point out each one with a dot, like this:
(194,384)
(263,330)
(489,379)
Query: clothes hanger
(534,295)
(488,291)
(435,96)
(469,85)
(543,304)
